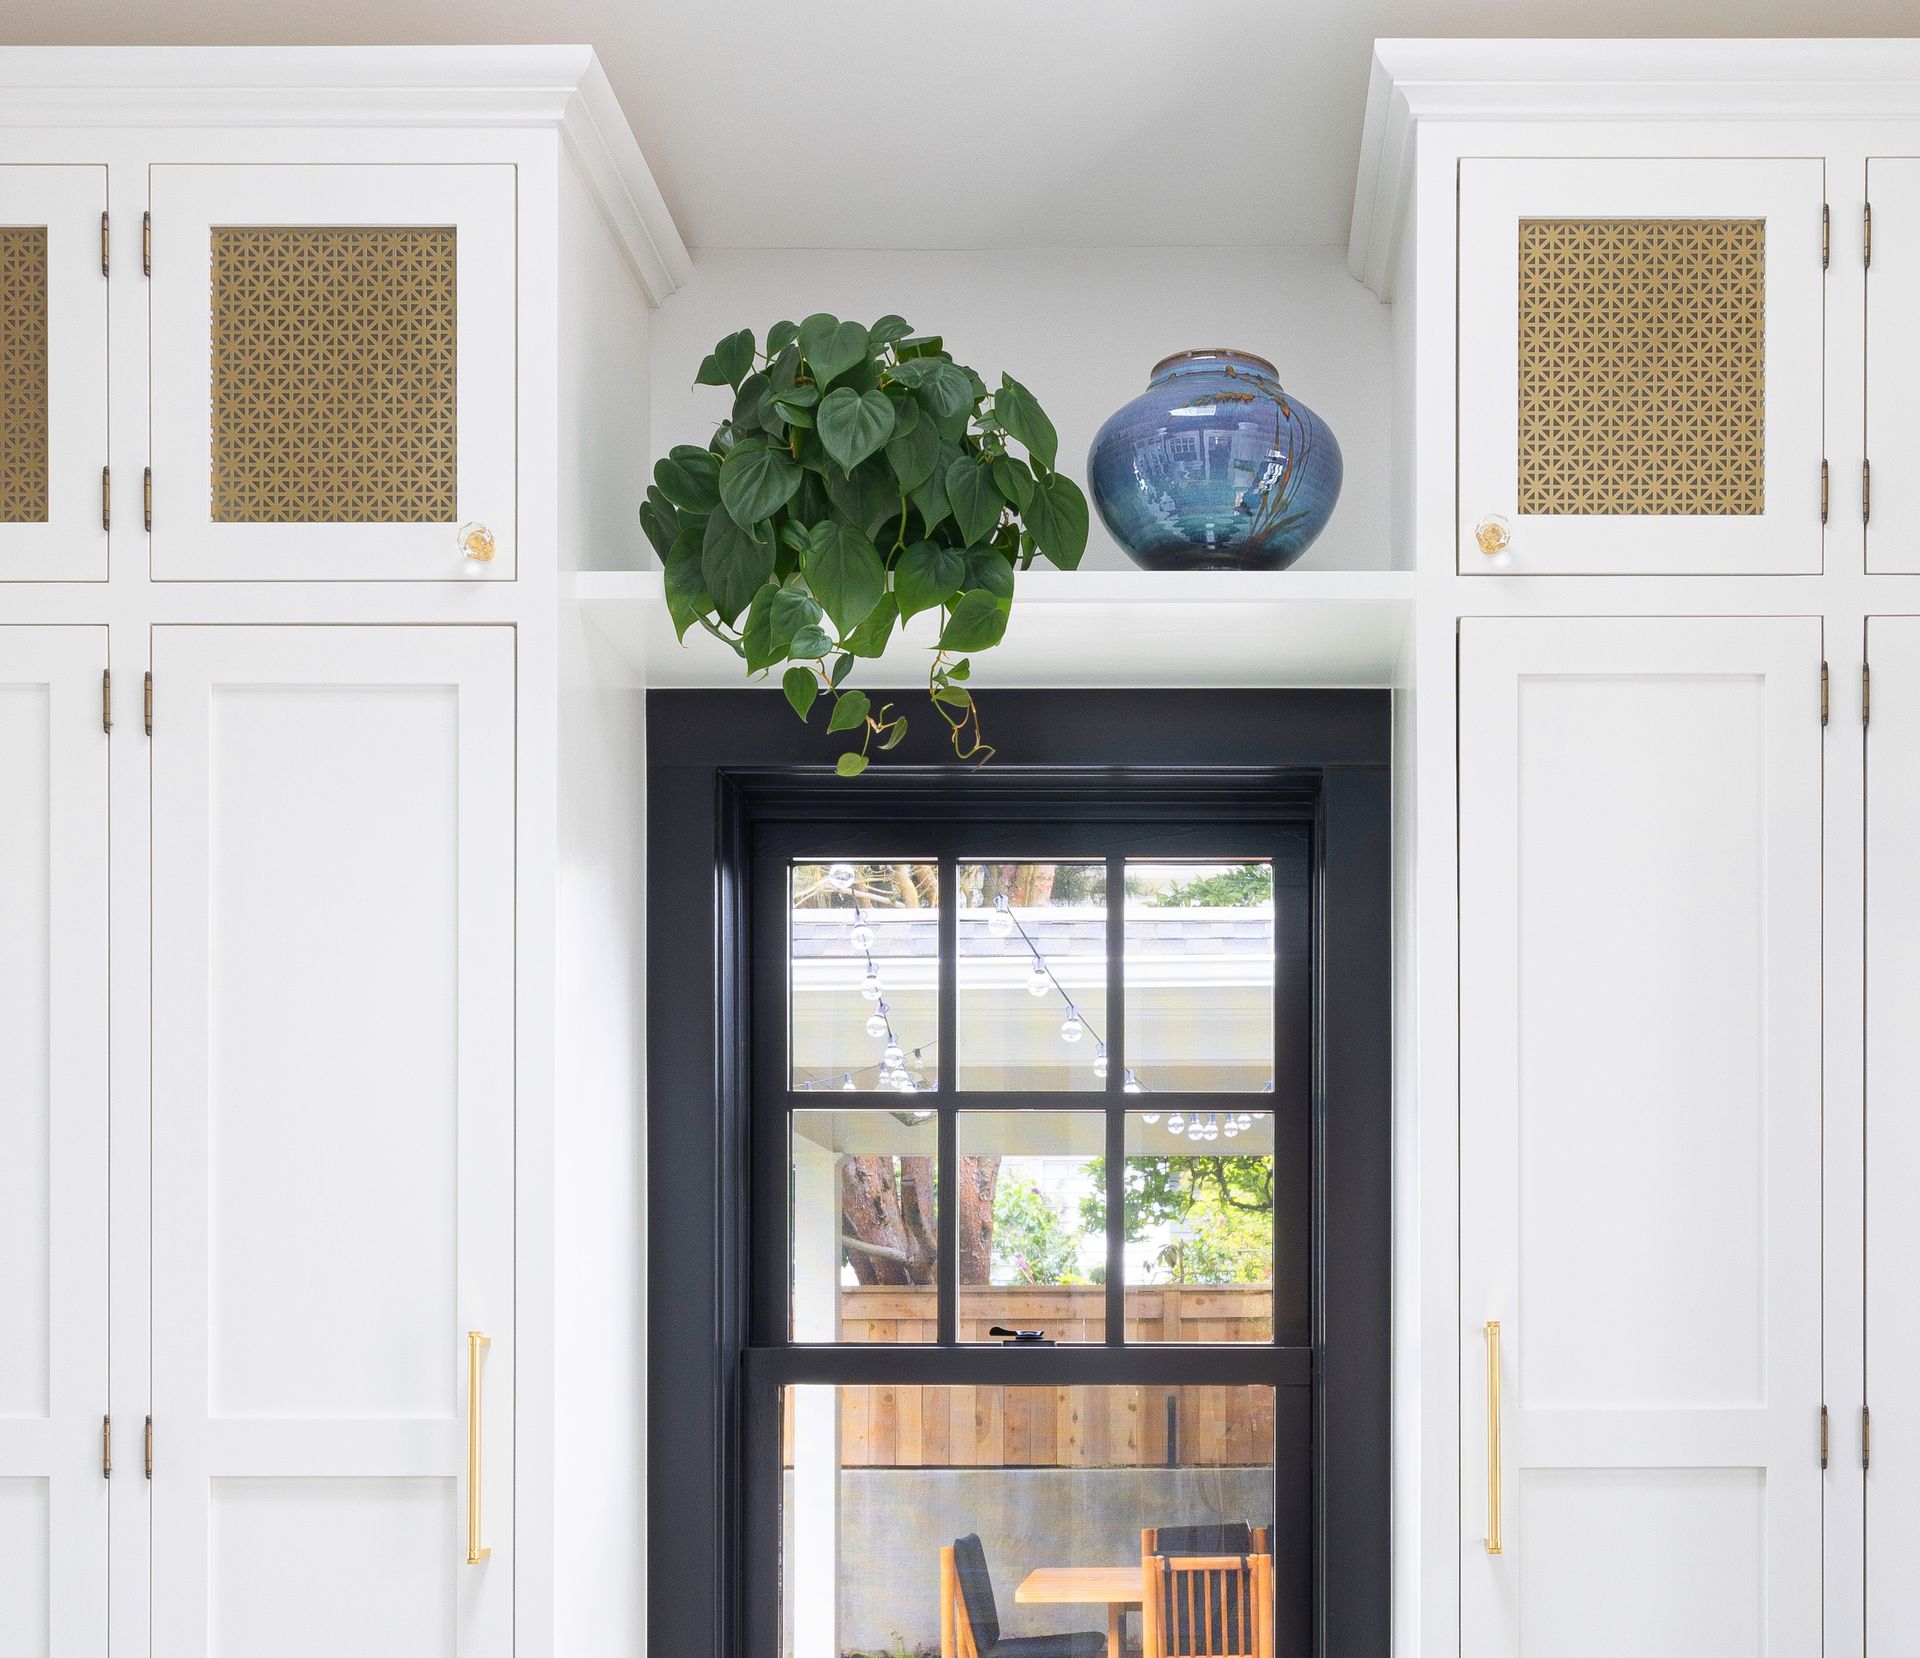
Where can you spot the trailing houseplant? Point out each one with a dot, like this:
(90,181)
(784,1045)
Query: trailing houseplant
(862,476)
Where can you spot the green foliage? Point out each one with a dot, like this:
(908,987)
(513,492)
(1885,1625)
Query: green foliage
(860,477)
(1243,887)
(1222,1205)
(1032,1242)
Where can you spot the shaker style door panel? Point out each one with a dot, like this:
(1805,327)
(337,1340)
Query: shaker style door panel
(333,373)
(333,878)
(1640,1137)
(1893,365)
(53,374)
(1893,1127)
(53,1142)
(1640,366)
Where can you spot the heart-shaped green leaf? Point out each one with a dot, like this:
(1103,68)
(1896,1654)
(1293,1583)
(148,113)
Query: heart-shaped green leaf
(1020,414)
(849,711)
(927,575)
(689,478)
(727,364)
(831,347)
(686,588)
(867,496)
(801,688)
(850,764)
(1057,516)
(976,498)
(846,573)
(810,644)
(792,609)
(756,637)
(976,622)
(947,390)
(931,497)
(757,483)
(734,563)
(780,336)
(854,425)
(871,636)
(989,568)
(1014,480)
(914,452)
(888,329)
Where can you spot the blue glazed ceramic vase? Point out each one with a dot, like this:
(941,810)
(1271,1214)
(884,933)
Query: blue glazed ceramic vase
(1214,467)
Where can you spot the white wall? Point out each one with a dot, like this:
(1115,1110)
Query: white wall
(1082,329)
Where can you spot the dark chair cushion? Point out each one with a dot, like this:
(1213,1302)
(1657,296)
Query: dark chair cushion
(1234,1537)
(976,1592)
(1086,1643)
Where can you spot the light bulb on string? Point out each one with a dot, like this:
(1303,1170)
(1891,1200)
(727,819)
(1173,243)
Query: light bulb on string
(893,1055)
(1149,1116)
(870,986)
(860,936)
(1133,1084)
(1000,922)
(840,877)
(1245,1119)
(1073,1027)
(846,1087)
(1100,1061)
(1176,1124)
(1037,981)
(876,1025)
(1231,1129)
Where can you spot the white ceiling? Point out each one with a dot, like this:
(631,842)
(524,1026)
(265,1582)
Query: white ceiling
(989,123)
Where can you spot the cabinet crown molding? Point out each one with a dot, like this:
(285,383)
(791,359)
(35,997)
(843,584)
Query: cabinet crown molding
(558,87)
(1414,82)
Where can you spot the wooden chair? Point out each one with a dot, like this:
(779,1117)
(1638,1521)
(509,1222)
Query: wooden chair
(1207,1606)
(970,1622)
(1233,1537)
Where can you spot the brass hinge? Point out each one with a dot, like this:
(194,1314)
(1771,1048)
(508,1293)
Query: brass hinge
(1823,693)
(149,1447)
(1826,234)
(1866,492)
(103,243)
(146,498)
(1866,234)
(106,700)
(146,244)
(1866,693)
(106,1447)
(1866,1438)
(106,497)
(149,702)
(1823,1438)
(1823,492)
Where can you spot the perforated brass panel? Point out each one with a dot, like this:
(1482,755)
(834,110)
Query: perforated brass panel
(1642,366)
(333,374)
(23,374)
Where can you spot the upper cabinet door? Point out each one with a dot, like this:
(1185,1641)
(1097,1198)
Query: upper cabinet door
(53,374)
(333,373)
(1893,366)
(1640,366)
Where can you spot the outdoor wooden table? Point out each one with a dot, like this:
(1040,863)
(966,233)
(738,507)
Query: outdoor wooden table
(1115,1587)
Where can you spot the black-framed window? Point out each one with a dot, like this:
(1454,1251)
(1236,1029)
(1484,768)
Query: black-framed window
(897,1000)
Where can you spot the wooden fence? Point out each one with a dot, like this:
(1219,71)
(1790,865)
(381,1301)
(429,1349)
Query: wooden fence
(1063,1427)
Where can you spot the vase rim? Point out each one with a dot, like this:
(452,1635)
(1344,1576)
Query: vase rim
(1212,354)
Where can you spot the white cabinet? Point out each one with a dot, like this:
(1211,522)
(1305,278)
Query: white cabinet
(53,373)
(333,1139)
(1893,364)
(1640,355)
(1640,1158)
(333,373)
(53,1142)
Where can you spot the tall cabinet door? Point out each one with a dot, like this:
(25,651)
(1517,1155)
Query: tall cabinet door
(53,1142)
(1893,1130)
(53,374)
(1640,1151)
(333,1111)
(1640,366)
(333,373)
(1893,364)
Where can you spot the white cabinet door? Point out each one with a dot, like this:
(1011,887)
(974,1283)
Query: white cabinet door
(53,374)
(53,1142)
(333,879)
(1640,366)
(1893,1129)
(333,373)
(1893,365)
(1640,1137)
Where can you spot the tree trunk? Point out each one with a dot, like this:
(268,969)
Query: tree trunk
(870,1211)
(978,1178)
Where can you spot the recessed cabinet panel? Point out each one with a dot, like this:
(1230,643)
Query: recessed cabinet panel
(53,1142)
(333,1137)
(1640,1135)
(53,374)
(333,373)
(1893,367)
(1640,366)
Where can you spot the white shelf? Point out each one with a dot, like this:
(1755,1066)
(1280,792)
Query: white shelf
(1087,628)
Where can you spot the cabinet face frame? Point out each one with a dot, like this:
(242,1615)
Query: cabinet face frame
(71,543)
(478,199)
(405,1465)
(57,1448)
(1745,1452)
(1495,194)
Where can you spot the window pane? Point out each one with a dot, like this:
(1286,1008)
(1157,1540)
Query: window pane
(1200,1226)
(1032,1230)
(1033,976)
(864,957)
(876,1481)
(1199,976)
(865,1233)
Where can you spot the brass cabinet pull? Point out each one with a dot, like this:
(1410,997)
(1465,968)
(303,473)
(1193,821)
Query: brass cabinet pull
(477,1344)
(1493,1436)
